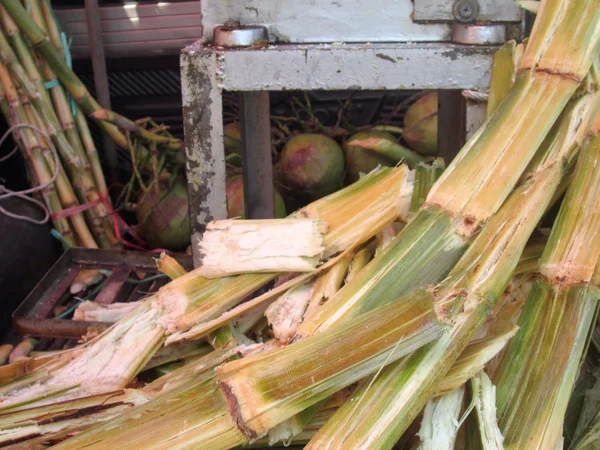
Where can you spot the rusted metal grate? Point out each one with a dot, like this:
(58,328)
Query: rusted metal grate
(126,272)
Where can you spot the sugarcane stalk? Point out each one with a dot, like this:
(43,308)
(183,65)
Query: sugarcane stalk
(77,167)
(353,215)
(486,434)
(425,177)
(381,426)
(464,300)
(14,113)
(390,149)
(51,27)
(543,360)
(123,123)
(92,152)
(389,420)
(169,266)
(504,68)
(185,301)
(63,187)
(373,336)
(440,421)
(64,116)
(25,58)
(289,430)
(41,43)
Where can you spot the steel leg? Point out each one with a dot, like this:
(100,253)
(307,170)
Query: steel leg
(257,162)
(203,128)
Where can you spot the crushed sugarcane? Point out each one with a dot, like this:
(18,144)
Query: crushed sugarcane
(231,247)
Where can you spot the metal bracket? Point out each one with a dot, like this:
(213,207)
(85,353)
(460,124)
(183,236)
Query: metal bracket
(466,11)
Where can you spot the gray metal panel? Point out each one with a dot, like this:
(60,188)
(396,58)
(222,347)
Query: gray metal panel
(315,21)
(492,10)
(376,66)
(136,29)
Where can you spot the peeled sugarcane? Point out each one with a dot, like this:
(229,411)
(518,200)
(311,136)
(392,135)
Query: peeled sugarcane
(383,406)
(255,396)
(483,431)
(189,298)
(450,218)
(544,126)
(516,221)
(373,202)
(301,429)
(441,421)
(538,370)
(504,71)
(387,420)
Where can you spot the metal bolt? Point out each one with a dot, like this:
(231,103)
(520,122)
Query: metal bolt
(465,10)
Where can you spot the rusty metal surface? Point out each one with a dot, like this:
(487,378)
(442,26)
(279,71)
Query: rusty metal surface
(34,317)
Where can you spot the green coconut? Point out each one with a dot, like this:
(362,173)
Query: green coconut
(163,217)
(312,166)
(421,123)
(235,199)
(363,160)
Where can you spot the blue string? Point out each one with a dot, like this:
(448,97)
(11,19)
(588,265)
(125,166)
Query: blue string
(52,84)
(56,234)
(67,46)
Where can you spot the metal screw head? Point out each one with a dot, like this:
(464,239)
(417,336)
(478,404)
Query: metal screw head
(465,10)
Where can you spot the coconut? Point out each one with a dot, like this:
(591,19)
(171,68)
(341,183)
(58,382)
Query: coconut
(312,166)
(235,199)
(363,160)
(421,123)
(163,217)
(232,138)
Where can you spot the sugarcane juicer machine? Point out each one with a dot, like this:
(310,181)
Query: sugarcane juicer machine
(256,46)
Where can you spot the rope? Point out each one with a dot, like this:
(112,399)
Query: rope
(7,193)
(479,97)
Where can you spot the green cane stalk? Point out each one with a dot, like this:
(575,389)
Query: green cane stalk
(542,361)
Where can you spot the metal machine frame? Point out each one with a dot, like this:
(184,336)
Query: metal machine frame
(258,46)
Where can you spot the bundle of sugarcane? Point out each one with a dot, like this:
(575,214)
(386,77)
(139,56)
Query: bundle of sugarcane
(46,106)
(367,326)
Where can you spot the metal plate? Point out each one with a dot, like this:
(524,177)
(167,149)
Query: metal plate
(315,21)
(354,67)
(489,10)
(136,29)
(34,316)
